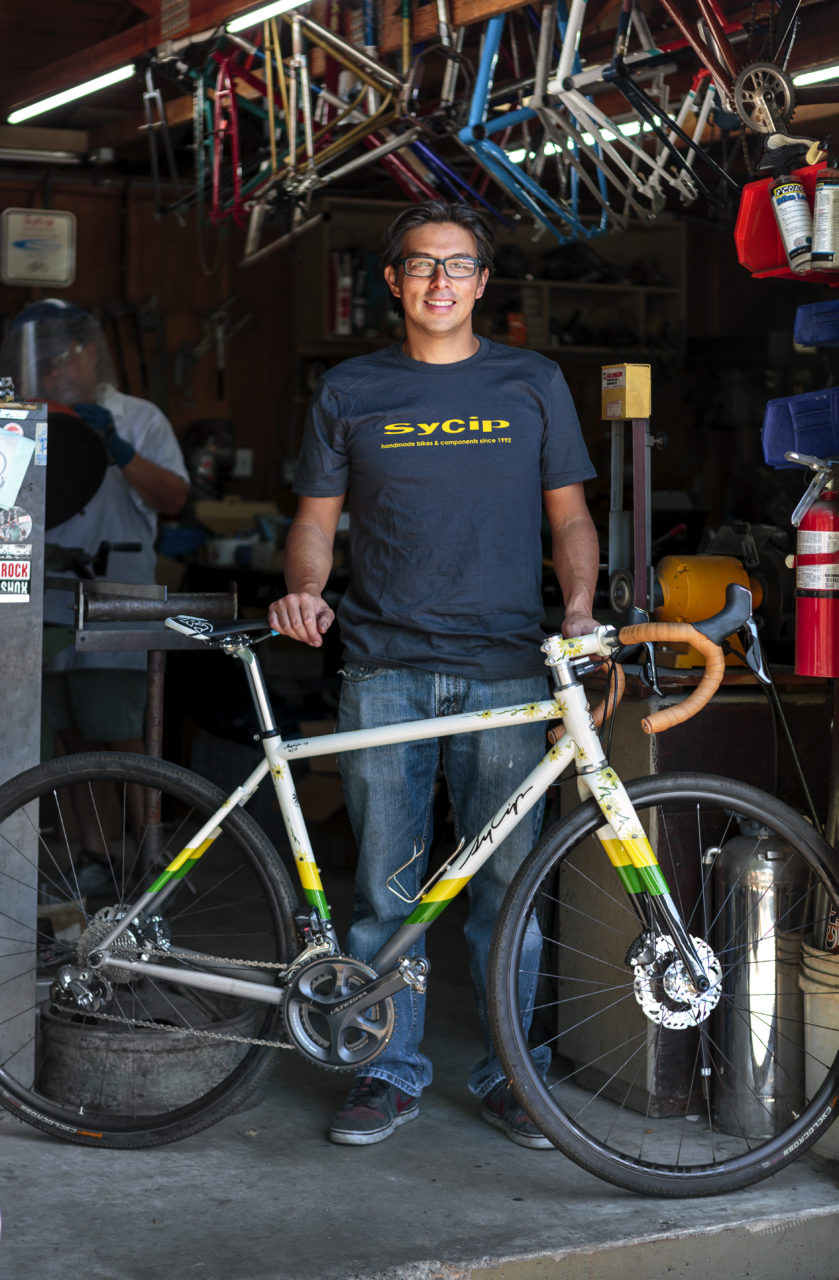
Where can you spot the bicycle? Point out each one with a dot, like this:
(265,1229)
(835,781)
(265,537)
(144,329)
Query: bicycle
(199,945)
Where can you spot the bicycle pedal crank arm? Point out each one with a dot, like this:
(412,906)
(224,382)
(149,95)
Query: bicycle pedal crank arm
(410,972)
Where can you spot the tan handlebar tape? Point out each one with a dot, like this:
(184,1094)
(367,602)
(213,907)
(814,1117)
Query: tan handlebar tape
(679,633)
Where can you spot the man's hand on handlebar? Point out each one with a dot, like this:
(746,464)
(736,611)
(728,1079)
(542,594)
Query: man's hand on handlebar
(578,624)
(302,616)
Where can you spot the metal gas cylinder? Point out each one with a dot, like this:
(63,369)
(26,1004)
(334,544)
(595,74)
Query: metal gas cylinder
(760,904)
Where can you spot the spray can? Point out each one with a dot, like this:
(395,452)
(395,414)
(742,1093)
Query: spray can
(825,254)
(795,222)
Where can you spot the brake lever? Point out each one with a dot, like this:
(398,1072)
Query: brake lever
(649,667)
(753,651)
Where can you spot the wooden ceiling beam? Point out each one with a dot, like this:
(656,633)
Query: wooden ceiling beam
(206,15)
(131,129)
(118,50)
(22,135)
(128,45)
(424,20)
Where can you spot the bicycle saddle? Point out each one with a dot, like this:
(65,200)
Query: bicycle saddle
(218,632)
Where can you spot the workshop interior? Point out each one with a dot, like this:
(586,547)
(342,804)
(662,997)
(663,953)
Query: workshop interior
(209,182)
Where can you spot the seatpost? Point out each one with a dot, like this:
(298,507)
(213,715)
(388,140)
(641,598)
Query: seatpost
(258,688)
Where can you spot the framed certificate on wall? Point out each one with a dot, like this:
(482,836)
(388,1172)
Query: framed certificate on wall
(38,247)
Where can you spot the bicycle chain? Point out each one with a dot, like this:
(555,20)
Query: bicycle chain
(194,1031)
(149,952)
(200,955)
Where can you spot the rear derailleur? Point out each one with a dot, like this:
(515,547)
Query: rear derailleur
(85,988)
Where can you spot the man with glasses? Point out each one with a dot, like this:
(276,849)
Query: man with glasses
(447,448)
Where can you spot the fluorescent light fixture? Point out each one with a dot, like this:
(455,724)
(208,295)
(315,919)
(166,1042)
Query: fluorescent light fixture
(32,156)
(256,16)
(628,130)
(70,95)
(816,77)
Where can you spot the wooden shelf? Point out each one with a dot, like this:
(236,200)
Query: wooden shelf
(648,318)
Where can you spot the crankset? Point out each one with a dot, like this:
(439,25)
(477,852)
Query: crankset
(764,97)
(663,986)
(340,1013)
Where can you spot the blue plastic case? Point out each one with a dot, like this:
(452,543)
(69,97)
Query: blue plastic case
(817,324)
(807,423)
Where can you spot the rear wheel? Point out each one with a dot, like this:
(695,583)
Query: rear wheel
(652,1085)
(150,1060)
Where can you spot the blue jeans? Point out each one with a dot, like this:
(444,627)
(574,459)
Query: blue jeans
(389,794)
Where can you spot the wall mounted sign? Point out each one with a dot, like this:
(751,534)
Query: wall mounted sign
(38,247)
(15,454)
(15,573)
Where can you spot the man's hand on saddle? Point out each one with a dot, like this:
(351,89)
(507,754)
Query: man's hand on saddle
(302,616)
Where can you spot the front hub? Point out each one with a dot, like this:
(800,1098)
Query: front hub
(665,991)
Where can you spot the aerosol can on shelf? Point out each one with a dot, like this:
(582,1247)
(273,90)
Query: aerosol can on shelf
(825,252)
(795,221)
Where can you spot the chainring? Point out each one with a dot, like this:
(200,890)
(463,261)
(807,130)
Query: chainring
(358,1037)
(664,990)
(764,97)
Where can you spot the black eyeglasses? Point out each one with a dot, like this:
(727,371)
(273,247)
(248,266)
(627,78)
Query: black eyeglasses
(458,267)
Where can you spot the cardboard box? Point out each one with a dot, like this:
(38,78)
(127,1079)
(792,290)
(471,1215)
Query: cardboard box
(267,558)
(231,515)
(67,918)
(625,391)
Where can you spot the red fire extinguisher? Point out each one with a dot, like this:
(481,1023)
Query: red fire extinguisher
(817,571)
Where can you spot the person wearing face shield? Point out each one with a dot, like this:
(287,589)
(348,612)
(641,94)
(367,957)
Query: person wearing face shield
(56,351)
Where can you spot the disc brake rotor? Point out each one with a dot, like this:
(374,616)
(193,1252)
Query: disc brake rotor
(664,989)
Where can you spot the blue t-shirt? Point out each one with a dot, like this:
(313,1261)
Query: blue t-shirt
(443,467)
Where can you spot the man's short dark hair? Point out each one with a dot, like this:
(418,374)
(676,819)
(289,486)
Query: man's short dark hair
(436,211)
(419,215)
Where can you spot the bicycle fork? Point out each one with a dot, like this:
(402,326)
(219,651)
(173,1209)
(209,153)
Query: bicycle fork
(629,851)
(622,836)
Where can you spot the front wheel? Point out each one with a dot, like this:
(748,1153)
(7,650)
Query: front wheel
(652,1085)
(148,1059)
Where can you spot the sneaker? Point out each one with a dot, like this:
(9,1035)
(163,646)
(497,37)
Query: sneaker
(500,1108)
(373,1109)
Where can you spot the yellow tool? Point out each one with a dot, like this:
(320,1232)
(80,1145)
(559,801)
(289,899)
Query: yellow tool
(693,587)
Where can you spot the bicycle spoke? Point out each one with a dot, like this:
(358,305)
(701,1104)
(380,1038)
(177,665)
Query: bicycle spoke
(651,1084)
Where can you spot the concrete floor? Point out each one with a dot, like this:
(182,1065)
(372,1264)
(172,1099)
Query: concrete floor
(265,1196)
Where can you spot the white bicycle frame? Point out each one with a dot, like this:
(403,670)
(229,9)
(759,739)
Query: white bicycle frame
(621,834)
(626,156)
